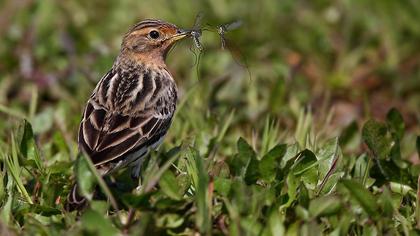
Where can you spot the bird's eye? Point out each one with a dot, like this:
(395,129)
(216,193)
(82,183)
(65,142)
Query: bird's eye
(154,34)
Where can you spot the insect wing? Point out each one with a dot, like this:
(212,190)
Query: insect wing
(233,25)
(197,22)
(237,55)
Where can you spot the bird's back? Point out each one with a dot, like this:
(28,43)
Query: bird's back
(129,112)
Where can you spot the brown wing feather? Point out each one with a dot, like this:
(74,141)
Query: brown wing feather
(106,135)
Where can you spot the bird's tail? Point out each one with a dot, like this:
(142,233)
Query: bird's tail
(75,201)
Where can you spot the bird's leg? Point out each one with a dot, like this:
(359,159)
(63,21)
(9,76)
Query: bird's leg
(135,172)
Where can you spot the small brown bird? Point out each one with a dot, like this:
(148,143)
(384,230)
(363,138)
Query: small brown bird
(131,108)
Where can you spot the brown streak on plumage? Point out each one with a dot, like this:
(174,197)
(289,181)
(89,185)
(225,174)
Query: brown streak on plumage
(106,126)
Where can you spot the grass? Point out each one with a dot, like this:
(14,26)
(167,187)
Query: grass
(321,139)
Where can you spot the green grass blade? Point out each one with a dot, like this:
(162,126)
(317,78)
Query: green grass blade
(13,167)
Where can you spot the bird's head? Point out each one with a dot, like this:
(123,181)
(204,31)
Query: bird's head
(151,40)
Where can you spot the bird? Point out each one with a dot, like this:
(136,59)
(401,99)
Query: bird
(131,108)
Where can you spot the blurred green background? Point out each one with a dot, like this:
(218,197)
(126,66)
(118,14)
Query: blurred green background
(298,65)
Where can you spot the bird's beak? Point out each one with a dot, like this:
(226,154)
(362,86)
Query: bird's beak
(180,34)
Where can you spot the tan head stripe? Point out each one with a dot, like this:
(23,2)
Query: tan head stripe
(149,23)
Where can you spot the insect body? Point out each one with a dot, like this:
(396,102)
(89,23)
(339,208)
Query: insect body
(196,34)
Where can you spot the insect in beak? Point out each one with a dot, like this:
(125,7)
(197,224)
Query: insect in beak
(196,31)
(195,34)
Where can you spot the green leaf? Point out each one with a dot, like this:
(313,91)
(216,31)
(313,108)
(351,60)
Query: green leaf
(222,186)
(86,180)
(184,182)
(270,163)
(169,185)
(151,167)
(252,173)
(292,185)
(303,197)
(220,169)
(310,178)
(28,146)
(375,135)
(366,200)
(244,149)
(306,160)
(395,154)
(362,168)
(239,163)
(393,173)
(59,167)
(98,224)
(291,152)
(396,127)
(99,206)
(155,172)
(395,123)
(331,182)
(324,206)
(302,213)
(250,225)
(348,133)
(328,157)
(386,203)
